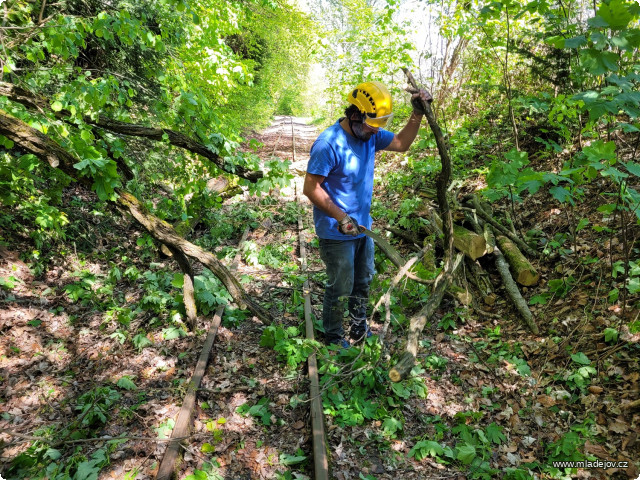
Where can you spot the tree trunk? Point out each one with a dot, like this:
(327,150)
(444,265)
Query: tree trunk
(513,292)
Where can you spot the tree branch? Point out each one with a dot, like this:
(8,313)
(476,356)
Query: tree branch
(177,139)
(44,148)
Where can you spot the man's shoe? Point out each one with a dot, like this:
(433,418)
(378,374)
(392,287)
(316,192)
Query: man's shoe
(342,343)
(360,335)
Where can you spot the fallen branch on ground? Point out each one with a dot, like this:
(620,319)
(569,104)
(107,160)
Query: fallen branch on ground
(44,148)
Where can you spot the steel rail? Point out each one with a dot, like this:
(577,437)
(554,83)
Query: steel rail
(318,436)
(170,461)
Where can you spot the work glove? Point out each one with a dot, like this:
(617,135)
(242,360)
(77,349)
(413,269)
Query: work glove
(348,226)
(416,101)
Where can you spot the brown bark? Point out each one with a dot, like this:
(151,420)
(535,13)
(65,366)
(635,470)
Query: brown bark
(37,143)
(177,139)
(471,244)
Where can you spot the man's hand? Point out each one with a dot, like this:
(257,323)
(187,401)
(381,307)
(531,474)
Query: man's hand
(418,98)
(348,226)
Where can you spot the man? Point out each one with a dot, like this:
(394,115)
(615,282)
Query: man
(339,183)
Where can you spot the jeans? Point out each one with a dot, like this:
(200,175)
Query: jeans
(350,270)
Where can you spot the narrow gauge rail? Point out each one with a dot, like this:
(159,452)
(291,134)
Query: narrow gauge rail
(320,458)
(182,428)
(170,460)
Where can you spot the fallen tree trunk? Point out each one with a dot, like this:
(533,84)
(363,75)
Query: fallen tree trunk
(37,143)
(177,139)
(523,271)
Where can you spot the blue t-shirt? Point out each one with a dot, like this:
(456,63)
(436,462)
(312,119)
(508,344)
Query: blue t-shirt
(347,163)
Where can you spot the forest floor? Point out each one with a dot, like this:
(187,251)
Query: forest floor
(494,391)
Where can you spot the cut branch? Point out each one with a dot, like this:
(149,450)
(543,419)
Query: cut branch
(177,139)
(523,271)
(513,291)
(417,323)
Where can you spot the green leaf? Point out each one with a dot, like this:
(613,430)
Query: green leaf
(633,168)
(575,42)
(540,299)
(53,454)
(582,224)
(400,390)
(616,14)
(494,433)
(141,341)
(581,358)
(425,448)
(126,383)
(610,335)
(286,459)
(560,193)
(633,285)
(56,106)
(391,425)
(87,471)
(172,333)
(466,454)
(178,280)
(207,448)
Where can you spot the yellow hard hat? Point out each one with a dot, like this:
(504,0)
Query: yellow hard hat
(374,101)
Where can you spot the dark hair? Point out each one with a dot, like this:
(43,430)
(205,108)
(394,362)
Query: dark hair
(350,110)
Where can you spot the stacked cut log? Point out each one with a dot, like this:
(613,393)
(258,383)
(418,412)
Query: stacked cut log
(479,241)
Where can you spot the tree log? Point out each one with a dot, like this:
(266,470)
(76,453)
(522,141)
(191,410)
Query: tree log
(37,143)
(506,232)
(471,244)
(177,139)
(417,323)
(513,292)
(523,271)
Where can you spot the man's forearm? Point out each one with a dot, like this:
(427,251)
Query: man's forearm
(408,134)
(321,199)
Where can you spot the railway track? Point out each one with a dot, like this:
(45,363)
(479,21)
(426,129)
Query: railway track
(183,425)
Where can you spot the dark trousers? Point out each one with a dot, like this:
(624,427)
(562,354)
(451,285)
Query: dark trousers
(350,270)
